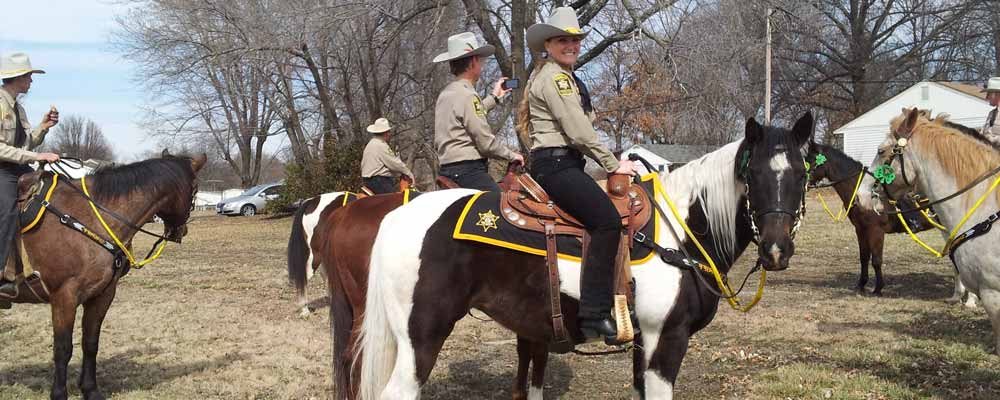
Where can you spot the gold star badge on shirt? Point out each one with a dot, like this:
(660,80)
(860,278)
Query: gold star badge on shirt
(488,220)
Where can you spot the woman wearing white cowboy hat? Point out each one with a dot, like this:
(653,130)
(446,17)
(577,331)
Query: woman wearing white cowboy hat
(991,129)
(552,111)
(379,162)
(462,135)
(15,148)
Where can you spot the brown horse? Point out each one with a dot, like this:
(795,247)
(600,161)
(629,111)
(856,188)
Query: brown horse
(77,271)
(843,173)
(336,234)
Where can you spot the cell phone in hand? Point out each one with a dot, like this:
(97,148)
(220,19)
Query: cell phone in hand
(510,84)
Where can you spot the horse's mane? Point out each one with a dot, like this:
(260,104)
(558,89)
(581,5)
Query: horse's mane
(833,153)
(161,175)
(962,155)
(712,179)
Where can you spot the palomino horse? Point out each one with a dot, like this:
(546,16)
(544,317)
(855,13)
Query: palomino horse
(844,173)
(957,172)
(422,281)
(78,271)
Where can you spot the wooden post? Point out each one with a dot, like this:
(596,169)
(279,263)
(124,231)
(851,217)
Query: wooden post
(767,69)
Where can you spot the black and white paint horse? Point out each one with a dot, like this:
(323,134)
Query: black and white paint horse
(422,281)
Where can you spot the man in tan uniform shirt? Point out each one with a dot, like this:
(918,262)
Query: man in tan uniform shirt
(462,135)
(16,141)
(991,129)
(379,164)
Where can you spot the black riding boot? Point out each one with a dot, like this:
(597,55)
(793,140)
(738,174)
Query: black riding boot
(9,173)
(597,285)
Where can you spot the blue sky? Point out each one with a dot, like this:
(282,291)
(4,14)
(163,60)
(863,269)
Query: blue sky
(69,39)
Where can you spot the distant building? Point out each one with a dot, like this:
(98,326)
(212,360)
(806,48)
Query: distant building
(966,105)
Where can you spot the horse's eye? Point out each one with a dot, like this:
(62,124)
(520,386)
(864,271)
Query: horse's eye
(881,151)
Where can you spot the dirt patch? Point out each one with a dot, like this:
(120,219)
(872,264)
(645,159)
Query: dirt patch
(215,319)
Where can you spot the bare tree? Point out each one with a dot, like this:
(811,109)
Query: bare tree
(79,137)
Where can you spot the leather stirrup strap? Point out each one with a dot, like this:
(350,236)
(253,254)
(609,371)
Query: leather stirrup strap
(623,301)
(552,262)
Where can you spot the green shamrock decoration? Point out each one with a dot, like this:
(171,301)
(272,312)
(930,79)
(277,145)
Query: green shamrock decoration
(885,174)
(820,159)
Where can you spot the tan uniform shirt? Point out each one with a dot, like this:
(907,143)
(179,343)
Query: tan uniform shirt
(991,129)
(379,160)
(558,119)
(8,133)
(461,131)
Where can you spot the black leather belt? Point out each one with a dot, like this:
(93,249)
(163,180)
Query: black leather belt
(464,162)
(555,152)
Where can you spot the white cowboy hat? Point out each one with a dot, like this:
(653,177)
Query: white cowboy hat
(563,22)
(464,45)
(993,85)
(16,64)
(381,125)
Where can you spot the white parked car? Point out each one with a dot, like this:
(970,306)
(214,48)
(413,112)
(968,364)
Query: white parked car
(250,201)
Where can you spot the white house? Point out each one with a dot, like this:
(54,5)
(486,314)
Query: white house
(966,105)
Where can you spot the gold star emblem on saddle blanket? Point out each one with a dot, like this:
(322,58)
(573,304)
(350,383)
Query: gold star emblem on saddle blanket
(488,220)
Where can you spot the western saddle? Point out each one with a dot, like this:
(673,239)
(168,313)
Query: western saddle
(524,204)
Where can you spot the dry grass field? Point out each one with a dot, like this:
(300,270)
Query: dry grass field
(215,319)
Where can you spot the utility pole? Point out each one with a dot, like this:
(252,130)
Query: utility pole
(767,69)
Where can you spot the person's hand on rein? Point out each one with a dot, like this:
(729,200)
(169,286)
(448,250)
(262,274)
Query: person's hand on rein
(626,167)
(48,157)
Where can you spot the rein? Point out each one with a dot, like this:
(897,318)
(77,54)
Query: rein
(118,248)
(844,212)
(671,256)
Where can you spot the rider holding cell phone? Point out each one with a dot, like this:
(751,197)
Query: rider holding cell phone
(462,135)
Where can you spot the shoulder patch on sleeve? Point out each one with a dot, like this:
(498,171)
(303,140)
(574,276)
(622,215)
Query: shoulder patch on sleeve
(563,84)
(477,105)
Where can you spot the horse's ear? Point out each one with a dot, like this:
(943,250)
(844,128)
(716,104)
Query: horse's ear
(198,161)
(803,129)
(906,128)
(165,153)
(754,132)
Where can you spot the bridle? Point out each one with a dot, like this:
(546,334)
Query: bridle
(58,167)
(753,214)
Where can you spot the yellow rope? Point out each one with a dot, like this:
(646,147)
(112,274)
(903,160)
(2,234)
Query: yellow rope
(931,221)
(131,259)
(723,286)
(843,212)
(955,230)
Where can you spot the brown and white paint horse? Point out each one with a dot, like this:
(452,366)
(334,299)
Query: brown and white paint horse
(302,260)
(422,281)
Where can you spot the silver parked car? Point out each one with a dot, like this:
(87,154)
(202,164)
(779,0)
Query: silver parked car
(250,201)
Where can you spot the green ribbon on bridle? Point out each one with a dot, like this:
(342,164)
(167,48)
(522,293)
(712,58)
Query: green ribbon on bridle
(884,174)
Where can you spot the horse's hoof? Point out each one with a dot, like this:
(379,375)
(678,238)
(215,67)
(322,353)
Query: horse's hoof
(56,395)
(877,293)
(860,291)
(953,300)
(305,312)
(93,395)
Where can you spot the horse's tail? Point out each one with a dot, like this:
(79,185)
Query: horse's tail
(377,343)
(298,254)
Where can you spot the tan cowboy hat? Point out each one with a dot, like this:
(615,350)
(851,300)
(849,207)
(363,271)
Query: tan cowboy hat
(563,22)
(464,45)
(15,65)
(993,85)
(381,125)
